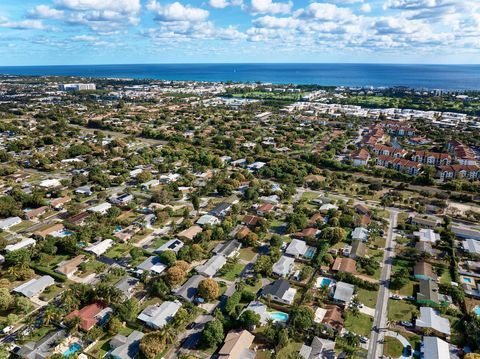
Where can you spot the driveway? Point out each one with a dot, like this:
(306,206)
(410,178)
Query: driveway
(402,340)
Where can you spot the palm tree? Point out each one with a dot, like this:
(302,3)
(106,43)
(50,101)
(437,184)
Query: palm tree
(73,324)
(169,334)
(51,314)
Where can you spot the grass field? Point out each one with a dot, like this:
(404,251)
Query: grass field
(361,324)
(392,347)
(399,310)
(367,297)
(232,274)
(246,254)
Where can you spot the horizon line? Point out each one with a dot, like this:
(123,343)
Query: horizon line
(254,63)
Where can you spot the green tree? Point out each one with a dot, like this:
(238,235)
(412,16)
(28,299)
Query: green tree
(6,299)
(168,258)
(249,319)
(208,289)
(129,309)
(213,333)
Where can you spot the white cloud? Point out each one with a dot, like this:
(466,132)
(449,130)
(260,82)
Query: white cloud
(273,22)
(86,38)
(218,4)
(326,12)
(366,8)
(22,25)
(177,12)
(270,7)
(123,6)
(45,12)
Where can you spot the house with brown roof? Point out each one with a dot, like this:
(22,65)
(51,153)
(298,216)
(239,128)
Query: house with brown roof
(89,315)
(432,158)
(49,229)
(360,157)
(317,217)
(189,233)
(250,220)
(68,268)
(347,265)
(361,209)
(237,346)
(264,209)
(333,317)
(58,203)
(79,219)
(424,270)
(307,233)
(35,213)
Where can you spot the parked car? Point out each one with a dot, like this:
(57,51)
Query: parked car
(395,296)
(406,324)
(408,350)
(363,340)
(7,329)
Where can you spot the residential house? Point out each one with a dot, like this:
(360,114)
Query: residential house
(333,317)
(251,220)
(320,348)
(399,164)
(427,235)
(360,157)
(432,158)
(221,209)
(466,233)
(189,289)
(157,316)
(84,191)
(189,233)
(100,247)
(149,184)
(283,267)
(343,292)
(43,348)
(208,219)
(424,270)
(428,294)
(237,345)
(79,219)
(360,233)
(152,264)
(389,151)
(471,246)
(307,233)
(347,265)
(425,247)
(25,243)
(127,286)
(361,209)
(279,291)
(458,171)
(358,250)
(9,222)
(101,208)
(89,315)
(122,200)
(296,248)
(125,347)
(229,249)
(59,203)
(435,348)
(126,233)
(35,213)
(69,267)
(48,230)
(425,222)
(212,266)
(34,287)
(263,209)
(172,245)
(430,319)
(259,308)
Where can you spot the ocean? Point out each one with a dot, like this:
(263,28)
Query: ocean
(445,77)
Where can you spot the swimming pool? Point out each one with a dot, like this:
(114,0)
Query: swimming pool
(325,282)
(476,310)
(310,252)
(72,349)
(279,316)
(467,280)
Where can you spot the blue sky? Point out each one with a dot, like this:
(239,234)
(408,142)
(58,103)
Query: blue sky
(43,32)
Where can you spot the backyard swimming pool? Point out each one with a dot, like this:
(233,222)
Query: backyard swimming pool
(72,349)
(324,282)
(310,252)
(279,316)
(467,280)
(476,310)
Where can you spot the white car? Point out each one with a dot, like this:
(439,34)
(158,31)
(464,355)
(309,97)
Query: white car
(7,330)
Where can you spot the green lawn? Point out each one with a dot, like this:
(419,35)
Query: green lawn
(367,297)
(118,251)
(392,347)
(446,278)
(309,196)
(247,254)
(232,274)
(289,350)
(408,289)
(255,288)
(399,310)
(360,324)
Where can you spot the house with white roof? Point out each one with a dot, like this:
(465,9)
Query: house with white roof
(360,233)
(25,243)
(430,319)
(9,222)
(296,248)
(343,292)
(283,267)
(212,266)
(435,348)
(50,183)
(471,246)
(157,316)
(427,235)
(208,219)
(34,287)
(101,208)
(152,264)
(100,247)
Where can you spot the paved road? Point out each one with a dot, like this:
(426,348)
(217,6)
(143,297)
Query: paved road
(375,348)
